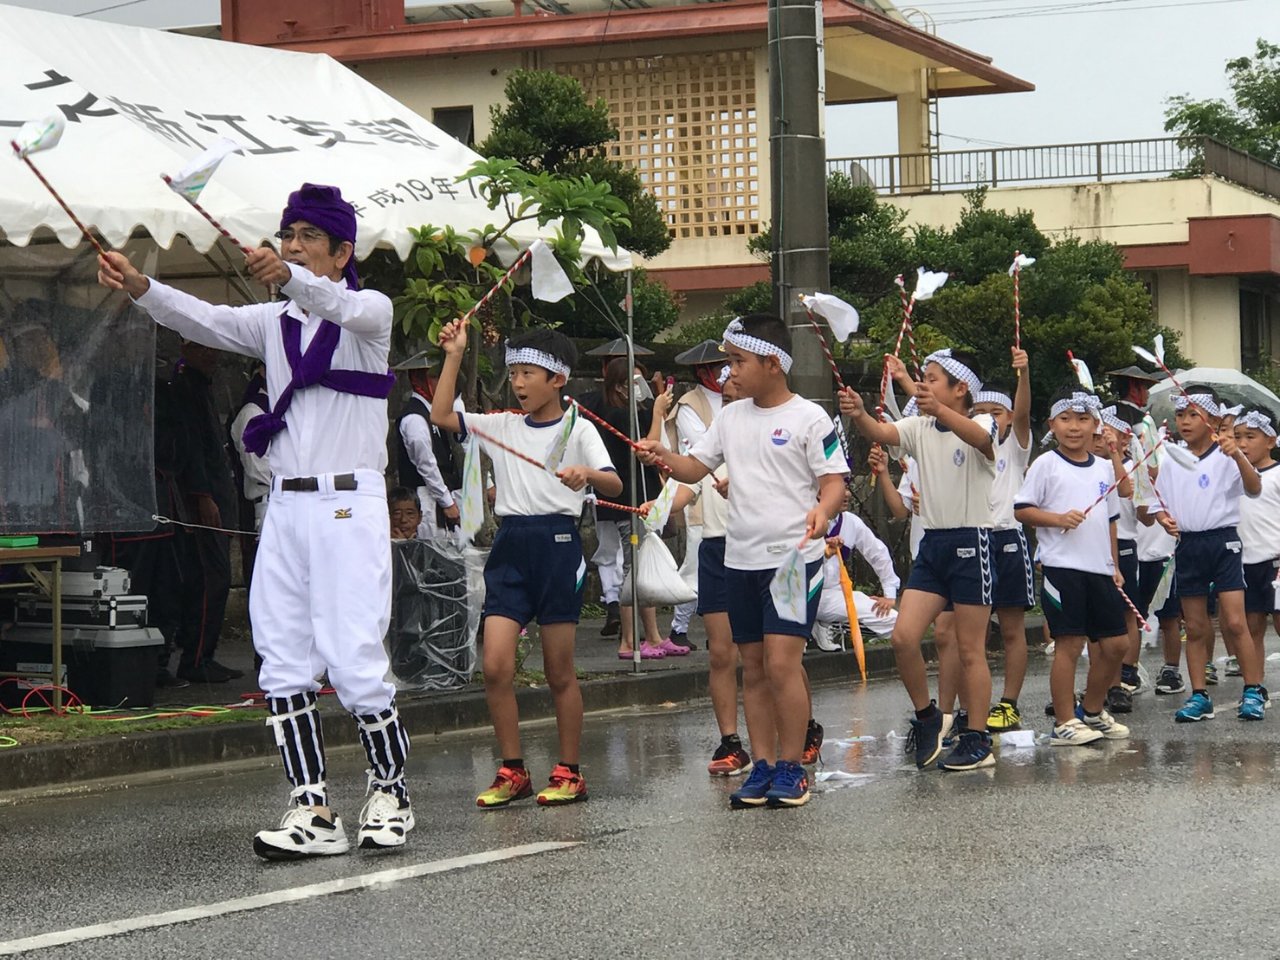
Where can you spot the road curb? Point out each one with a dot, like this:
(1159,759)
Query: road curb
(152,751)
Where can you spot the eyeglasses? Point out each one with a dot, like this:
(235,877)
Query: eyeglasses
(307,235)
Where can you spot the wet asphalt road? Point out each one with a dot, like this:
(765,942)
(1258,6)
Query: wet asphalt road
(1162,846)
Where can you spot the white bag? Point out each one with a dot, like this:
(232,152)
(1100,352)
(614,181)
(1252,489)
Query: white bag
(658,581)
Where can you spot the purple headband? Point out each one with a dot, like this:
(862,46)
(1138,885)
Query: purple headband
(323,207)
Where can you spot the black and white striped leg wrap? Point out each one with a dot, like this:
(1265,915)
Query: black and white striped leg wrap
(296,724)
(386,743)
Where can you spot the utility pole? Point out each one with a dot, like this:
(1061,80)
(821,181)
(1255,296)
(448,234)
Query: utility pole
(798,178)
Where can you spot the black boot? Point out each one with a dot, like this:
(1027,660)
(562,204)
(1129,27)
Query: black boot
(612,620)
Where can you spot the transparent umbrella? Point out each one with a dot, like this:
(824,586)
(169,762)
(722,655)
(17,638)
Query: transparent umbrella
(1232,386)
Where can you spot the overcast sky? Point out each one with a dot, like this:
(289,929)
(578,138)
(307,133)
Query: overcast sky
(1102,70)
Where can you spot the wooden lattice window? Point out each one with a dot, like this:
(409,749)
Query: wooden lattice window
(687,124)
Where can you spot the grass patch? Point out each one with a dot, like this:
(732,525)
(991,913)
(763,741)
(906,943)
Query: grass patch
(46,728)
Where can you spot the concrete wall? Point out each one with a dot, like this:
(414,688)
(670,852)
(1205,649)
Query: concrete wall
(1129,212)
(1204,310)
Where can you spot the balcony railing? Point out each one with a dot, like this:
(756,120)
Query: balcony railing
(951,170)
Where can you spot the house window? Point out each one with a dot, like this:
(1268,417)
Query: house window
(687,125)
(457,122)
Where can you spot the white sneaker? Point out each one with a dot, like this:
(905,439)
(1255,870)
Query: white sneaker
(1074,733)
(384,822)
(1107,725)
(302,833)
(822,636)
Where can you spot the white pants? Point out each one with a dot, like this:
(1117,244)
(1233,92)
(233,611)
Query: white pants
(689,573)
(321,597)
(610,557)
(832,609)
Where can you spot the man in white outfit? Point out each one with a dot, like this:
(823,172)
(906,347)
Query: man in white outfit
(427,463)
(848,534)
(321,597)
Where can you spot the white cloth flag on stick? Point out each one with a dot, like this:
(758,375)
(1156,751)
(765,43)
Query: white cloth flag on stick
(471,505)
(659,513)
(550,282)
(195,176)
(789,591)
(560,445)
(840,316)
(43,134)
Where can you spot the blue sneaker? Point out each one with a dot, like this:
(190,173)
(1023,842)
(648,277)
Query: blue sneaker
(1253,705)
(1198,707)
(755,789)
(925,739)
(972,752)
(790,786)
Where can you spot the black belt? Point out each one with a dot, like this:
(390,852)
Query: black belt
(341,481)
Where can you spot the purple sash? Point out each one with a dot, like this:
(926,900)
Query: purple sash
(834,531)
(311,369)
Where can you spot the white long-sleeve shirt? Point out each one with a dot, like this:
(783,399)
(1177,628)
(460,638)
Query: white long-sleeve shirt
(256,470)
(415,431)
(328,431)
(857,536)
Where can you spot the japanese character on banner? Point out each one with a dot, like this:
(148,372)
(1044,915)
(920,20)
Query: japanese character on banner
(392,130)
(385,198)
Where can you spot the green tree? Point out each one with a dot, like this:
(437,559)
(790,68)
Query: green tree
(1077,296)
(1249,122)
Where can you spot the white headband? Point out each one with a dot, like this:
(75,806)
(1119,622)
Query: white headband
(1257,420)
(957,369)
(537,358)
(911,409)
(1232,411)
(1202,400)
(1078,402)
(736,334)
(1110,418)
(724,375)
(994,396)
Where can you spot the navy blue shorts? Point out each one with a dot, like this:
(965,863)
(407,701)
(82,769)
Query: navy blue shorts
(751,611)
(1149,574)
(1209,561)
(1080,604)
(956,564)
(712,595)
(1259,586)
(1128,551)
(535,571)
(1015,579)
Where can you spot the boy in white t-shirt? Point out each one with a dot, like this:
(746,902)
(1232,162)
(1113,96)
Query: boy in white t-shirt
(1202,508)
(1015,580)
(535,568)
(1255,432)
(786,473)
(1112,444)
(956,459)
(1080,592)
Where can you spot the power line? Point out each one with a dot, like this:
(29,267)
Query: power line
(114,6)
(1075,10)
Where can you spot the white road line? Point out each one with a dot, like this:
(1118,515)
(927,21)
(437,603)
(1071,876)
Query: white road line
(276,897)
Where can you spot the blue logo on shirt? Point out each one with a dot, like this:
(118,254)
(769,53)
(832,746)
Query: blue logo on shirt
(958,458)
(1204,481)
(1000,465)
(780,437)
(1103,488)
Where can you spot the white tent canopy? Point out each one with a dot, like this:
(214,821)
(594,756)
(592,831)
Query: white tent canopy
(142,102)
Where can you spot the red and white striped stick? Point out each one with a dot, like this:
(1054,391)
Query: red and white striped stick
(519,262)
(826,349)
(519,455)
(1133,609)
(1017,300)
(601,421)
(62,203)
(195,204)
(1127,474)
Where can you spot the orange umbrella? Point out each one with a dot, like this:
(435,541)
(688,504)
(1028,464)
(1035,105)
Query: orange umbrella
(855,631)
